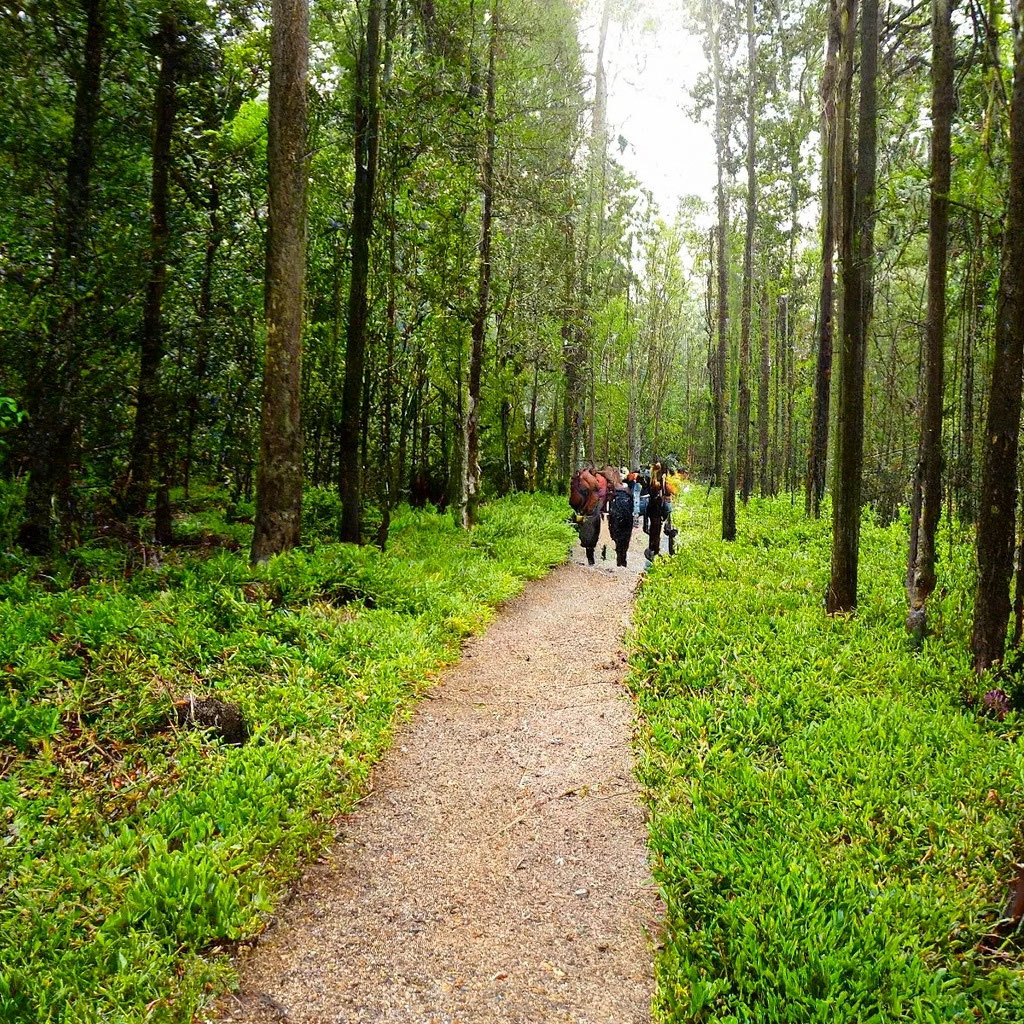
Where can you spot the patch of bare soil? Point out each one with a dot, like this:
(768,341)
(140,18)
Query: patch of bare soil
(498,871)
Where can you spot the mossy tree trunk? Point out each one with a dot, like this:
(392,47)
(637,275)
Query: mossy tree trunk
(929,468)
(999,473)
(857,257)
(279,485)
(366,112)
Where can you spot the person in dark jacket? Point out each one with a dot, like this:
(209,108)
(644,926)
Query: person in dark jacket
(589,529)
(620,513)
(655,519)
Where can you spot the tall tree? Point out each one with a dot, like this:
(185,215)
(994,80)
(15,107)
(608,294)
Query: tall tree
(54,399)
(743,459)
(763,388)
(857,260)
(817,458)
(279,487)
(725,477)
(366,142)
(471,456)
(595,212)
(928,503)
(1002,427)
(572,361)
(167,46)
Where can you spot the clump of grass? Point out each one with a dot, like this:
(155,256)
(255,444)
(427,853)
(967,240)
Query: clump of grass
(832,828)
(131,852)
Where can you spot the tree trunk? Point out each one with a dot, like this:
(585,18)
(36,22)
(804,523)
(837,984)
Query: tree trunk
(213,241)
(714,381)
(721,369)
(762,394)
(930,458)
(743,459)
(151,350)
(572,361)
(789,385)
(857,258)
(999,473)
(967,503)
(388,476)
(596,180)
(366,143)
(818,449)
(532,444)
(279,485)
(592,402)
(52,404)
(471,460)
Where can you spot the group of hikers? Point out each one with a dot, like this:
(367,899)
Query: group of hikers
(626,499)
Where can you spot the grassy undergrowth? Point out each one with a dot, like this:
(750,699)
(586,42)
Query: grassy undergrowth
(131,852)
(833,828)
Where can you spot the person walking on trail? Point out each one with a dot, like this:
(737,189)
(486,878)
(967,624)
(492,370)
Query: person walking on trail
(633,483)
(655,519)
(620,513)
(671,488)
(587,493)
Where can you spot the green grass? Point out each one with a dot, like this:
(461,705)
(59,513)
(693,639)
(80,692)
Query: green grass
(832,828)
(131,853)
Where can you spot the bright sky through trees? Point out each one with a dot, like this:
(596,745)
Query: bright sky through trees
(652,63)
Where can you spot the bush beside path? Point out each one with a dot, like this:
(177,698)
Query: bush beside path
(133,853)
(834,824)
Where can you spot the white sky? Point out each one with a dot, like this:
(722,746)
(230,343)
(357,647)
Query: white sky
(652,62)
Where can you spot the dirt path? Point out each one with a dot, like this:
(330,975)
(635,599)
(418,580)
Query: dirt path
(498,871)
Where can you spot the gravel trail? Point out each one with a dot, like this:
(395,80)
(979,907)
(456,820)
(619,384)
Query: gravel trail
(498,870)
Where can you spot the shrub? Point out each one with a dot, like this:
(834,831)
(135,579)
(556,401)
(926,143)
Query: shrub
(832,830)
(127,847)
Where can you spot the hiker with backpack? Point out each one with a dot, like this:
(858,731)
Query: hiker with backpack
(655,517)
(587,493)
(592,493)
(671,486)
(620,513)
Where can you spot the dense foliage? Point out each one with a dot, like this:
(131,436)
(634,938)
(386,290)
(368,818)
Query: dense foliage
(78,252)
(834,819)
(516,304)
(134,851)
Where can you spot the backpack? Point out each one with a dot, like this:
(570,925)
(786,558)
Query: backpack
(620,516)
(586,491)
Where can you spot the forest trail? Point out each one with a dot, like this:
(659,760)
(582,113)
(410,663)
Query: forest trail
(498,870)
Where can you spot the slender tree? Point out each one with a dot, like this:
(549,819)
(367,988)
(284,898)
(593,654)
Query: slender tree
(743,459)
(366,111)
(921,574)
(471,456)
(54,400)
(726,477)
(168,47)
(279,487)
(595,218)
(763,388)
(858,256)
(572,361)
(818,449)
(998,497)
